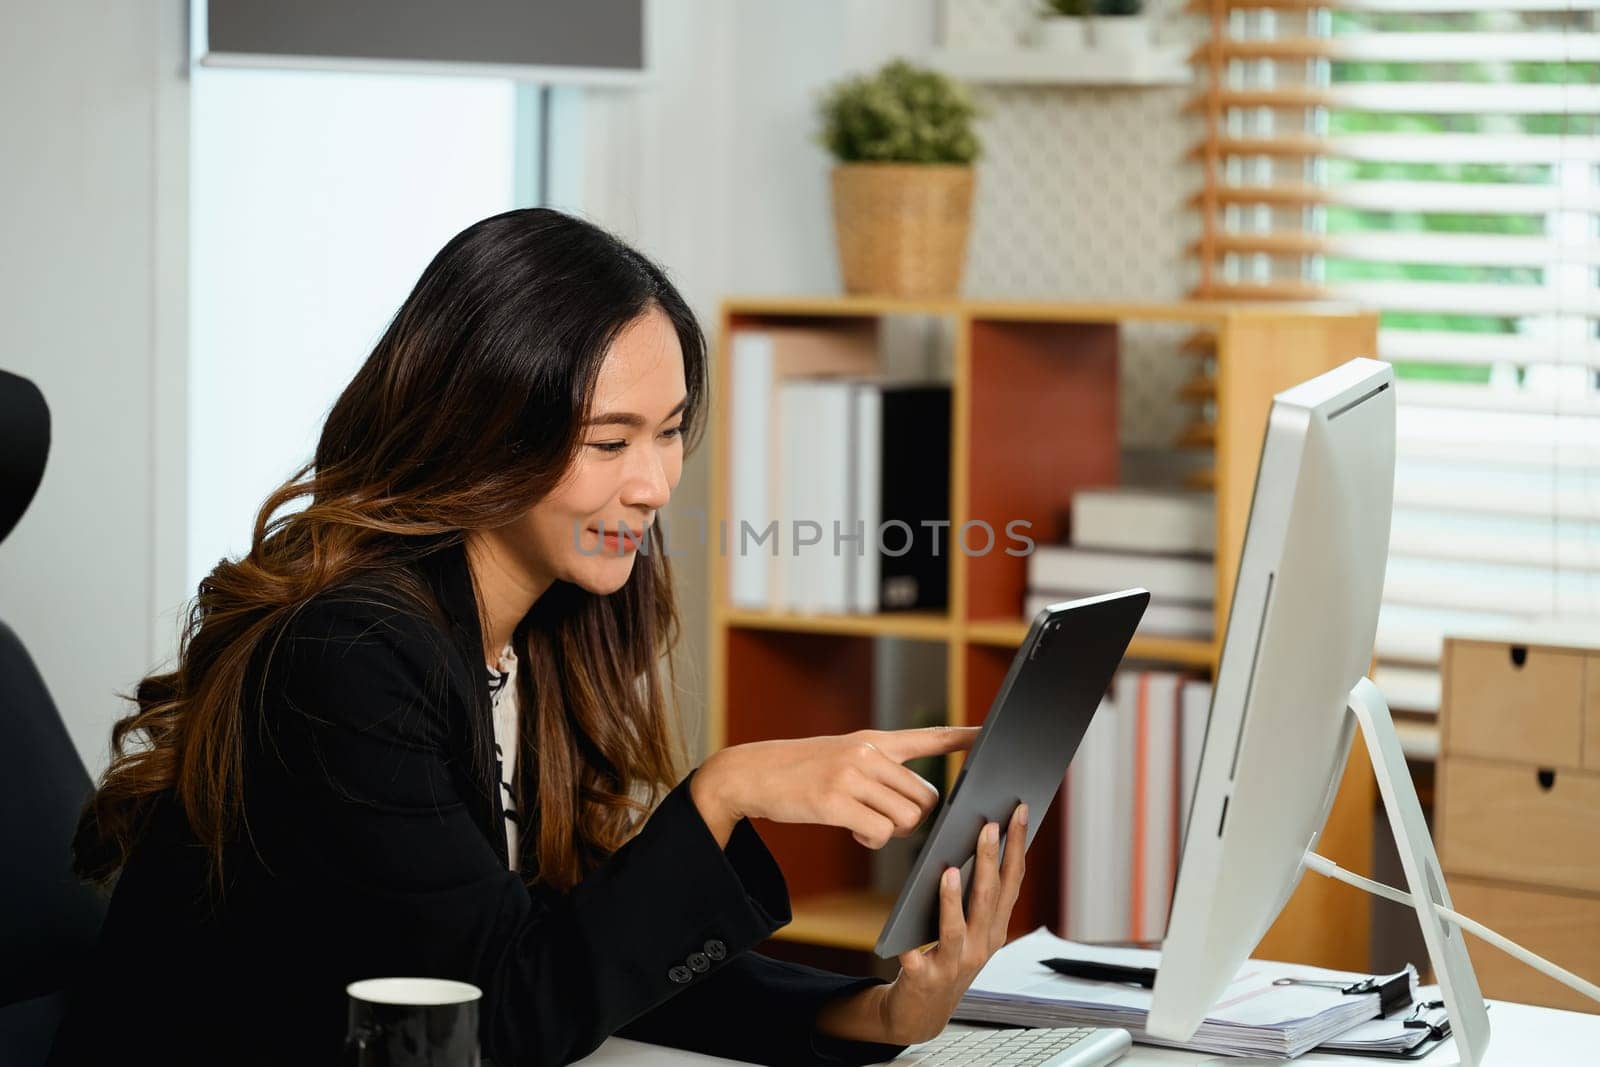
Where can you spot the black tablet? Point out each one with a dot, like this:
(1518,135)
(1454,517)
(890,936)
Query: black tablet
(1056,681)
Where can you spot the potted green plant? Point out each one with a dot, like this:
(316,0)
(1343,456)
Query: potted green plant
(1121,25)
(1063,25)
(904,144)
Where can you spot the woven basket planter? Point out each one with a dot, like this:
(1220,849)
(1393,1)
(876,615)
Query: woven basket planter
(902,228)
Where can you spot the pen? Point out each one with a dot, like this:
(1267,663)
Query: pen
(1103,972)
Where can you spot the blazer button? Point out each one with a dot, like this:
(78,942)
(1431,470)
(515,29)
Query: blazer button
(698,963)
(716,950)
(679,974)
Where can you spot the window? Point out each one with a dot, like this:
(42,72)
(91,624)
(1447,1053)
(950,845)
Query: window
(1438,160)
(317,200)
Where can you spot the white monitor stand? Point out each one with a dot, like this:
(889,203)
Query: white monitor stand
(1447,951)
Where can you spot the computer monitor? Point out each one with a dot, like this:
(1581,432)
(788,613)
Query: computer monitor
(1299,640)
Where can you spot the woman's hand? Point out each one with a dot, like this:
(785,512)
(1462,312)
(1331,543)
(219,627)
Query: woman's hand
(855,781)
(917,1005)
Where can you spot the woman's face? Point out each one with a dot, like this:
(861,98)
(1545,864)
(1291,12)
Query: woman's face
(629,461)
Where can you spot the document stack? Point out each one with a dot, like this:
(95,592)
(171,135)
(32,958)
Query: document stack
(1254,1017)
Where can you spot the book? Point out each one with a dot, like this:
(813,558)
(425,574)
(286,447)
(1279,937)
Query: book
(1155,803)
(762,359)
(815,464)
(1084,571)
(1161,618)
(1179,521)
(1097,852)
(902,481)
(1091,909)
(867,482)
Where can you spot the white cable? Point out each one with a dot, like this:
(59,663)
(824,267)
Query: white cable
(1329,869)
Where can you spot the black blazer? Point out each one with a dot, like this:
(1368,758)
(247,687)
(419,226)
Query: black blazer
(374,845)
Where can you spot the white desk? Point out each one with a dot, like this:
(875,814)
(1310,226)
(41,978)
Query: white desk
(1522,1036)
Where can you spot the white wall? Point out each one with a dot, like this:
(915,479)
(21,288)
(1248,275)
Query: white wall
(317,201)
(94,233)
(784,55)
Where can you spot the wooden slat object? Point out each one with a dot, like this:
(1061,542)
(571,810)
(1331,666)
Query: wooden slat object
(1201,433)
(1283,289)
(1288,97)
(1287,145)
(1277,243)
(1467,47)
(1406,148)
(1287,195)
(1008,633)
(1469,249)
(1407,196)
(1198,389)
(1454,98)
(910,625)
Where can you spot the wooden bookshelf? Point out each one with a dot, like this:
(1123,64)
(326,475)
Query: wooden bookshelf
(1034,409)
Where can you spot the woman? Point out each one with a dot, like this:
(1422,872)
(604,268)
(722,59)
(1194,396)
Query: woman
(421,728)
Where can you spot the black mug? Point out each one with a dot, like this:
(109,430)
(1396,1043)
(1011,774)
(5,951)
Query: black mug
(412,1022)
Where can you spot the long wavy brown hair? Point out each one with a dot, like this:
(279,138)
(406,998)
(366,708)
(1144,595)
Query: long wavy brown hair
(466,413)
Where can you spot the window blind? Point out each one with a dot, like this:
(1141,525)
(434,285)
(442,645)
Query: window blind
(1438,160)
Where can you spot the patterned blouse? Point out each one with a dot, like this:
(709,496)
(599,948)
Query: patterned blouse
(503,692)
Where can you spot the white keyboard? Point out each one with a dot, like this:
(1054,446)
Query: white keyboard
(961,1046)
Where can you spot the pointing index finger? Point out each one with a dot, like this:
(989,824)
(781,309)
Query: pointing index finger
(901,745)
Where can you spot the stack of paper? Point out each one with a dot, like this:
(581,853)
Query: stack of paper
(1398,1034)
(1253,1018)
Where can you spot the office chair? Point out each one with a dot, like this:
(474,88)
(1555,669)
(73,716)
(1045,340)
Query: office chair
(49,920)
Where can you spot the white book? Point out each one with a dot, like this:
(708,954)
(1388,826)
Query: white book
(1090,847)
(1160,619)
(867,489)
(1155,803)
(814,465)
(1099,822)
(1125,692)
(1129,519)
(1196,714)
(1087,571)
(749,460)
